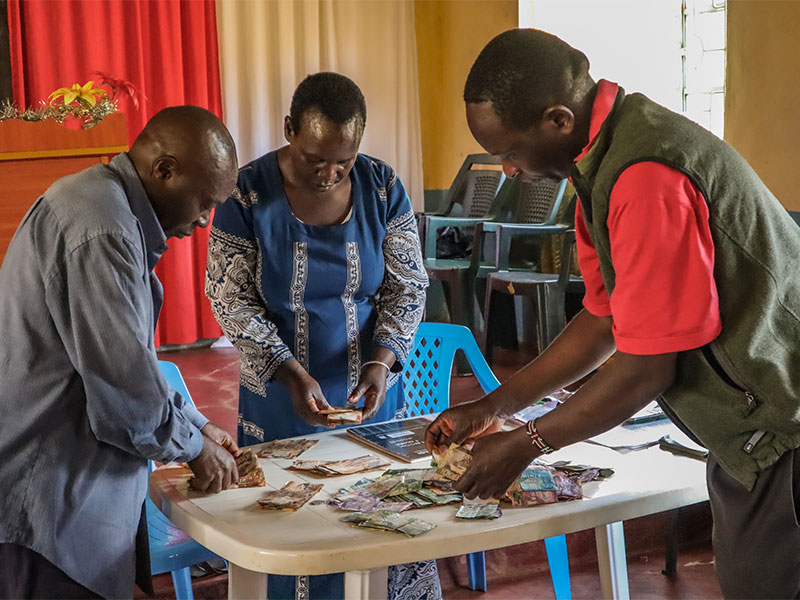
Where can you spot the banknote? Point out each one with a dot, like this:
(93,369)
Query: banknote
(567,488)
(453,464)
(246,462)
(415,527)
(479,509)
(291,496)
(535,485)
(359,502)
(254,478)
(437,498)
(285,448)
(395,506)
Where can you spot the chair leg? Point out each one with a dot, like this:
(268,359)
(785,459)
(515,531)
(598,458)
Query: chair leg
(559,566)
(476,562)
(182,581)
(485,340)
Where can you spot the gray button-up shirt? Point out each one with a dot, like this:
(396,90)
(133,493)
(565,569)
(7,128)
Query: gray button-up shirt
(83,404)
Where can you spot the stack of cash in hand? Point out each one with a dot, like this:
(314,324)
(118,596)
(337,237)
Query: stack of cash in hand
(330,468)
(387,520)
(285,448)
(341,416)
(291,496)
(250,473)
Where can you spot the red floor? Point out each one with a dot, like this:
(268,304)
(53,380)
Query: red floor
(518,572)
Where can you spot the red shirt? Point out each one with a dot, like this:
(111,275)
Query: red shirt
(665,297)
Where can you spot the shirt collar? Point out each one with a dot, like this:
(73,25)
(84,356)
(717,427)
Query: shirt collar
(155,240)
(601,108)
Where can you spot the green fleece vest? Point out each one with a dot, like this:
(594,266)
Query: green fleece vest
(740,394)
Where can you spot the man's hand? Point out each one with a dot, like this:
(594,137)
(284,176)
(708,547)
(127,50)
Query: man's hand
(222,437)
(497,460)
(460,424)
(214,468)
(372,387)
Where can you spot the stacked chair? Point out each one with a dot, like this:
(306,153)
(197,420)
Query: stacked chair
(472,198)
(426,390)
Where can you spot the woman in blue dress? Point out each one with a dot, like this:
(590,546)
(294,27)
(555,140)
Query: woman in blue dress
(315,275)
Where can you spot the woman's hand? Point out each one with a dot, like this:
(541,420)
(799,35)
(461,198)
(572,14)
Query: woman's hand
(372,387)
(304,391)
(461,424)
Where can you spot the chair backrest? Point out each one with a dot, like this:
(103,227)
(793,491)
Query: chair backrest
(175,380)
(427,372)
(475,186)
(538,202)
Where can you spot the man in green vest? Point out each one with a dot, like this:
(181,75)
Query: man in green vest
(692,282)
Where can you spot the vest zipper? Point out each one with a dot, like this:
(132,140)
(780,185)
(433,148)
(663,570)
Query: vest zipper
(749,396)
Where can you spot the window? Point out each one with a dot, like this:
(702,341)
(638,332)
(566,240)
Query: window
(671,50)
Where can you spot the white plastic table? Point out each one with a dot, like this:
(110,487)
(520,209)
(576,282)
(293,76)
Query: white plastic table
(313,541)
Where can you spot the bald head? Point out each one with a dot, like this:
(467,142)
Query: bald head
(186,160)
(521,72)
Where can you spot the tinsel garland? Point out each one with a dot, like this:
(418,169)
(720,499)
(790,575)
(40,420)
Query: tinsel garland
(59,112)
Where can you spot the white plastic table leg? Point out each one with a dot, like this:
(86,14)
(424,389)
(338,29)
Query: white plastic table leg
(244,584)
(611,561)
(366,585)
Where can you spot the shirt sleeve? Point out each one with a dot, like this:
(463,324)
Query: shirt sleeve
(190,411)
(665,297)
(236,301)
(99,302)
(595,300)
(401,296)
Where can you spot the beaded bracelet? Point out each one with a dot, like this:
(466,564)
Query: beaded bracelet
(537,439)
(377,362)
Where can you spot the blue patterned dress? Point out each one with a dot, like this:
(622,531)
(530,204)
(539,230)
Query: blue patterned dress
(325,295)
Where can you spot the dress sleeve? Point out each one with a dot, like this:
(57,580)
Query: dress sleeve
(233,290)
(99,301)
(401,296)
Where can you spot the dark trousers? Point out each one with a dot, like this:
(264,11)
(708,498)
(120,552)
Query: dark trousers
(756,535)
(27,574)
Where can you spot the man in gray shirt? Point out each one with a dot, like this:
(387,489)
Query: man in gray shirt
(83,405)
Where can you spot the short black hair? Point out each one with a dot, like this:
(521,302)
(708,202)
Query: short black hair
(522,72)
(335,96)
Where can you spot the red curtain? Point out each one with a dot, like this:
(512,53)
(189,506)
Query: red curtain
(166,48)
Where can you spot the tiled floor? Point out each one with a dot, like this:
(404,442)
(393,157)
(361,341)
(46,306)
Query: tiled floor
(518,572)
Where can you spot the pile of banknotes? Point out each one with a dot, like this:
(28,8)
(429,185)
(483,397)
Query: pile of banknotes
(387,520)
(291,496)
(348,466)
(285,448)
(250,473)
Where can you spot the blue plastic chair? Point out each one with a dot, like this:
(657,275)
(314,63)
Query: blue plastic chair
(171,550)
(426,387)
